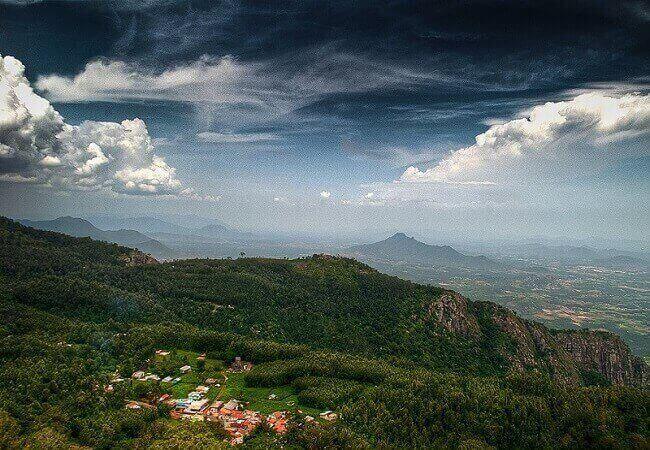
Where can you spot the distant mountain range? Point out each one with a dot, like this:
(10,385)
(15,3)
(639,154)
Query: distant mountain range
(170,231)
(219,230)
(400,247)
(147,225)
(77,227)
(566,254)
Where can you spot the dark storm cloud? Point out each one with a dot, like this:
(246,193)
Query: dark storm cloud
(506,44)
(462,34)
(372,63)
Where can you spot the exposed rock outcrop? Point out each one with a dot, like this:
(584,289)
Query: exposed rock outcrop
(450,312)
(532,346)
(136,258)
(525,345)
(605,353)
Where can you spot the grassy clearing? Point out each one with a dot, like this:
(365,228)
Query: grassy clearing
(286,398)
(213,369)
(234,387)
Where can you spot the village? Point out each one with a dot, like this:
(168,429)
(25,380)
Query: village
(212,397)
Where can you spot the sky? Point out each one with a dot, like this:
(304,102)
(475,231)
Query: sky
(464,120)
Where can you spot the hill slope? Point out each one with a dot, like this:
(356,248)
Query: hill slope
(404,364)
(340,304)
(82,228)
(401,247)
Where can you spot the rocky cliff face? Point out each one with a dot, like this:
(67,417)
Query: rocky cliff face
(533,347)
(451,313)
(605,353)
(525,345)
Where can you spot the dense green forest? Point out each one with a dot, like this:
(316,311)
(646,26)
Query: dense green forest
(405,365)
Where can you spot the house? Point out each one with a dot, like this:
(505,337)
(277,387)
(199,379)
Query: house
(214,408)
(194,395)
(201,357)
(185,369)
(133,404)
(176,380)
(182,403)
(151,377)
(272,397)
(232,404)
(163,398)
(193,417)
(309,419)
(162,353)
(278,421)
(167,380)
(231,417)
(202,389)
(237,423)
(329,416)
(210,380)
(117,380)
(197,406)
(240,366)
(138,374)
(109,388)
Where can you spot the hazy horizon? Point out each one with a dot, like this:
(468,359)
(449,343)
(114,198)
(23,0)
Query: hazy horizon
(194,222)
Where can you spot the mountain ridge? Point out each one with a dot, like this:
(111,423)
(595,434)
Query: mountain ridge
(400,247)
(222,231)
(78,227)
(143,224)
(292,301)
(171,232)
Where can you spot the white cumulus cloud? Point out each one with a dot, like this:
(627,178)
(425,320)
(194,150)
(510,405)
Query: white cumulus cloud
(118,80)
(567,135)
(37,146)
(325,194)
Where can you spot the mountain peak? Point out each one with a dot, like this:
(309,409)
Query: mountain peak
(401,237)
(401,247)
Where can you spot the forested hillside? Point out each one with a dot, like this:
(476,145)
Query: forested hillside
(406,365)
